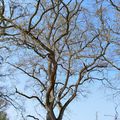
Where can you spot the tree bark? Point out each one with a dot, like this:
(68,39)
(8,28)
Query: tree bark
(48,117)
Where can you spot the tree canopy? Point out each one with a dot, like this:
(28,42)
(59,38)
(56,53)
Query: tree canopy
(56,47)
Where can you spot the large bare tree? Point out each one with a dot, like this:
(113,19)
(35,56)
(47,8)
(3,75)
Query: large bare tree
(59,44)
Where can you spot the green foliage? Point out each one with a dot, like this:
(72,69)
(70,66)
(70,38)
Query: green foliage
(3,105)
(3,116)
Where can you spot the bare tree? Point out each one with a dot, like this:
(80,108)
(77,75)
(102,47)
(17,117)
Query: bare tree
(115,5)
(58,45)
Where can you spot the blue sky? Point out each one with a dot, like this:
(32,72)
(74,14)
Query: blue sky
(86,109)
(82,108)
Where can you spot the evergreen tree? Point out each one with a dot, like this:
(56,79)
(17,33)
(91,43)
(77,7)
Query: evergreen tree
(3,116)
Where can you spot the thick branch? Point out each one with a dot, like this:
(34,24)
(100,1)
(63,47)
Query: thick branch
(31,97)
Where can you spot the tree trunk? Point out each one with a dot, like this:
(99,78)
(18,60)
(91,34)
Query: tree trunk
(49,117)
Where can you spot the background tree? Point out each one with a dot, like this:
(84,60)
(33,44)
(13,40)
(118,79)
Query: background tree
(3,104)
(116,115)
(57,47)
(3,116)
